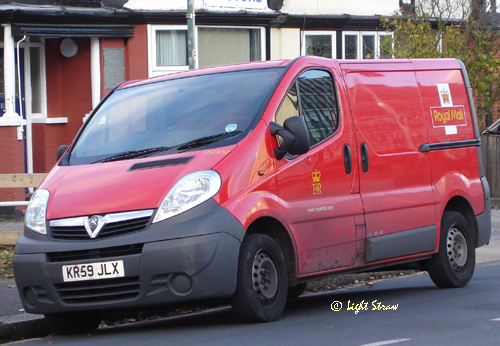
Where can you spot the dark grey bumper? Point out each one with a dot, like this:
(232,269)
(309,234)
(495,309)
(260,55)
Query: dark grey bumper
(484,219)
(192,257)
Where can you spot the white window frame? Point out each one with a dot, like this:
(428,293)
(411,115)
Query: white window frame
(333,35)
(350,33)
(155,70)
(39,117)
(376,48)
(359,41)
(36,117)
(381,35)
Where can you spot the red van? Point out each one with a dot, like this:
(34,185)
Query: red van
(246,181)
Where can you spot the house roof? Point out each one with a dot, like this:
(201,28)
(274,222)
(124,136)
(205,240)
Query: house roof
(73,30)
(42,13)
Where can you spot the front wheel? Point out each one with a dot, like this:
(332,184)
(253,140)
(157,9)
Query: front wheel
(453,265)
(261,289)
(73,322)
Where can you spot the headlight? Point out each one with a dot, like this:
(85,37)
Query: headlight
(188,192)
(36,211)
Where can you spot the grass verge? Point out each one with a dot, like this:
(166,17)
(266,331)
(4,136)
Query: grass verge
(6,269)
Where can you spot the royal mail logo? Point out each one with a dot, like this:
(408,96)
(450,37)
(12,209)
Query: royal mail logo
(448,116)
(316,176)
(445,96)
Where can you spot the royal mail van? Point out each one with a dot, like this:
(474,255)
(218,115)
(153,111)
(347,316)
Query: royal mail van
(244,182)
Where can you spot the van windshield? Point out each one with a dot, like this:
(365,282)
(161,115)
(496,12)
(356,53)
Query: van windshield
(175,115)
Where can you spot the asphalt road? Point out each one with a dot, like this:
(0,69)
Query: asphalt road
(419,314)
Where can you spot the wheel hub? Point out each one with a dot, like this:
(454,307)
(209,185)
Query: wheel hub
(264,277)
(456,248)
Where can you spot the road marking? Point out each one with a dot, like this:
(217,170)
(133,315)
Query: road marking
(496,319)
(387,342)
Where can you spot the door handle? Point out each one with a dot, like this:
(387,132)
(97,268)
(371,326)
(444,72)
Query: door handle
(347,159)
(364,157)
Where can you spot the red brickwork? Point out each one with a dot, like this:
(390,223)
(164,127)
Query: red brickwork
(11,161)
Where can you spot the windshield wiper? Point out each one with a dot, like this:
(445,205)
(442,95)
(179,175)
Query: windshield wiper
(133,154)
(188,145)
(207,140)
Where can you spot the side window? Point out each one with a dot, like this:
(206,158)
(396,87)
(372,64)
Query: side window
(312,96)
(289,106)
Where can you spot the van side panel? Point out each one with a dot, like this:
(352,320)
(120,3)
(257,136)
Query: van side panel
(391,125)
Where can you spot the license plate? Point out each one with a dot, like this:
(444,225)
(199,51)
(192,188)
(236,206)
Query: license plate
(93,271)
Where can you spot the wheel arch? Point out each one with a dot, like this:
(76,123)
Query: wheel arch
(274,229)
(462,206)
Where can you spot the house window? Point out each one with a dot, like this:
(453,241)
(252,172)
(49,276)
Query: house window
(350,46)
(36,80)
(319,43)
(33,74)
(368,46)
(229,45)
(167,49)
(384,53)
(216,46)
(171,47)
(363,45)
(35,54)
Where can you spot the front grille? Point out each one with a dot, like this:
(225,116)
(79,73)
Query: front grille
(113,225)
(117,251)
(95,291)
(110,230)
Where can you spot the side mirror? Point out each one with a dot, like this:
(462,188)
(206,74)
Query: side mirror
(294,134)
(61,150)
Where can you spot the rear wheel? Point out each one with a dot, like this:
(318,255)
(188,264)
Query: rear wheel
(73,322)
(262,280)
(453,265)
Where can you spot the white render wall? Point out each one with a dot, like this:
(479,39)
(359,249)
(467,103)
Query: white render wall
(312,7)
(198,4)
(285,43)
(160,4)
(353,7)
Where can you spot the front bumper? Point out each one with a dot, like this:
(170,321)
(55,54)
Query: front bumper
(190,257)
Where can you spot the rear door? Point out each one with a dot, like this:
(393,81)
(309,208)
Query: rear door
(453,148)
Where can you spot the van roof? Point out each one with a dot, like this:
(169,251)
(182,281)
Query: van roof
(352,65)
(389,64)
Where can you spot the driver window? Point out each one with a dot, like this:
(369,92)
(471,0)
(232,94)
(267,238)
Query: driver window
(312,97)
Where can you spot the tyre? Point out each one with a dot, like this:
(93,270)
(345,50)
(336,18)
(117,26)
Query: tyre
(73,322)
(296,291)
(261,289)
(453,265)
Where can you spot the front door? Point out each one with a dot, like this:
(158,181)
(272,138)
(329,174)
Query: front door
(318,191)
